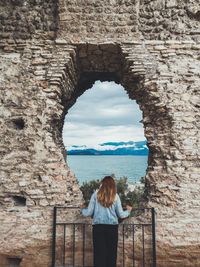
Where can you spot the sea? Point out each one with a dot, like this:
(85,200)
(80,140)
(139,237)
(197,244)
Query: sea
(87,168)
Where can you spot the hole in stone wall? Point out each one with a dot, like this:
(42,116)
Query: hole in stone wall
(12,261)
(19,124)
(193,15)
(39,177)
(102,127)
(19,201)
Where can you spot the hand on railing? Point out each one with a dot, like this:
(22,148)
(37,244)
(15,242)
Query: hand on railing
(129,208)
(82,207)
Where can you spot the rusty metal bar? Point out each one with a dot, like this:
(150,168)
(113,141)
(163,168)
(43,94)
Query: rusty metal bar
(64,245)
(143,256)
(83,227)
(54,237)
(133,236)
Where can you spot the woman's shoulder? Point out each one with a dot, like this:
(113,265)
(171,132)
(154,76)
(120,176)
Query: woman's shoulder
(94,194)
(116,198)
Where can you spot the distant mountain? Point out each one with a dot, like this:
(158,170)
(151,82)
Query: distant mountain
(117,143)
(110,148)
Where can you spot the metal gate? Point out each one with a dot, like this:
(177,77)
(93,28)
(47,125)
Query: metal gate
(72,242)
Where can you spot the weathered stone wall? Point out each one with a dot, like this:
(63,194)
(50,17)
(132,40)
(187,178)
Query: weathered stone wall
(169,19)
(140,44)
(28,19)
(120,20)
(37,177)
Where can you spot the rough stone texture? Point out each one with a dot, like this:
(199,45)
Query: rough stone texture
(28,19)
(50,53)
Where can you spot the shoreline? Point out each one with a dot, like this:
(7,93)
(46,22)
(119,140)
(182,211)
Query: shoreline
(132,187)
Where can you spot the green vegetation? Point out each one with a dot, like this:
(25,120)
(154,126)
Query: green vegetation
(131,198)
(88,189)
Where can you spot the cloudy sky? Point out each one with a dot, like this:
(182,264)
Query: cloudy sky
(102,114)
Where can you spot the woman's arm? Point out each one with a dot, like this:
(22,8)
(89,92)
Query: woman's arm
(120,212)
(90,210)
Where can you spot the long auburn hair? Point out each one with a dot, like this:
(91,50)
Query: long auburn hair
(107,192)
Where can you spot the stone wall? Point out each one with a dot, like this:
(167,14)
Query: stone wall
(169,19)
(30,19)
(119,20)
(47,66)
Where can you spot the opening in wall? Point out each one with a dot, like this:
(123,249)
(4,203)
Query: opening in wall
(19,124)
(102,135)
(13,261)
(19,201)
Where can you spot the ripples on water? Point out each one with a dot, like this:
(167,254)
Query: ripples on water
(87,168)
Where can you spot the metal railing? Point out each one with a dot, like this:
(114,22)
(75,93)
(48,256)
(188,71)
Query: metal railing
(143,255)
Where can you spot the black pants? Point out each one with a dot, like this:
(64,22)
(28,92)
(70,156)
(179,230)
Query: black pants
(105,239)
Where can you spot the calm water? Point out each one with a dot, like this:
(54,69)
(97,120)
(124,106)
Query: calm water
(87,168)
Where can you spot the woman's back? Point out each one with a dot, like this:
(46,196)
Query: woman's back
(103,215)
(105,206)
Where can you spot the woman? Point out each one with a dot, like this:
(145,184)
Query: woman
(105,206)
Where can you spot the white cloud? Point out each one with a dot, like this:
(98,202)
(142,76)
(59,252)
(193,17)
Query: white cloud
(101,148)
(79,134)
(103,114)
